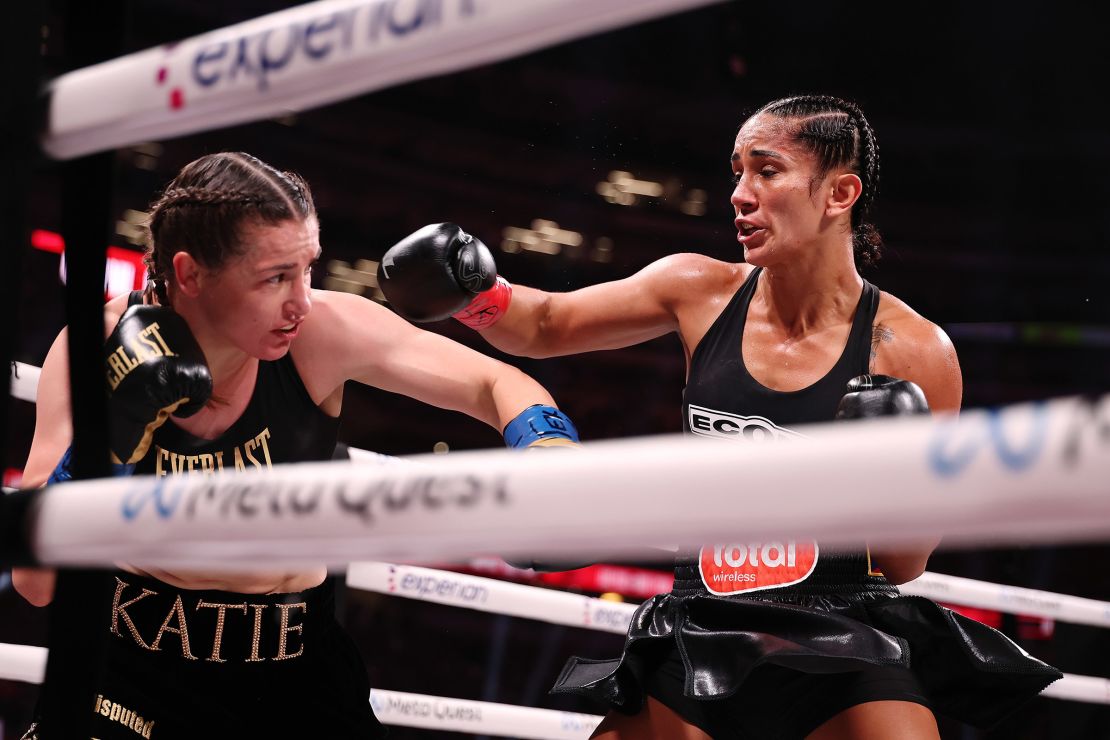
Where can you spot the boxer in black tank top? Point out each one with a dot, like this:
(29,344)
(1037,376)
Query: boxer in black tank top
(280,424)
(259,653)
(768,639)
(250,373)
(723,400)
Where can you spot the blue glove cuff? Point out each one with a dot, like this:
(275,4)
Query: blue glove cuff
(537,422)
(63,471)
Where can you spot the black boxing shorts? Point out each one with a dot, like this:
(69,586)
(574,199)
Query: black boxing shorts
(189,664)
(777,703)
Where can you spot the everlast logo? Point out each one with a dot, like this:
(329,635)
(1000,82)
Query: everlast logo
(146,345)
(119,713)
(710,423)
(735,568)
(254,453)
(243,621)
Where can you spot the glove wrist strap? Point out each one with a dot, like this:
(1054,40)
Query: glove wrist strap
(537,423)
(488,307)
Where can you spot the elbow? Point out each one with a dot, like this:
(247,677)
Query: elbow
(903,573)
(901,567)
(34,584)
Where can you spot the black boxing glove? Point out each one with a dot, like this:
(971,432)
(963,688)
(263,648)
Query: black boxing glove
(881,395)
(435,272)
(155,369)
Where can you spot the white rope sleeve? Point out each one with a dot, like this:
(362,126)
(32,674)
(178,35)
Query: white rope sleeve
(491,595)
(479,717)
(27,663)
(560,607)
(1088,689)
(1010,599)
(1028,473)
(25,382)
(308,56)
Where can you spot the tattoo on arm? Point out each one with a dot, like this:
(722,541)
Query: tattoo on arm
(879,333)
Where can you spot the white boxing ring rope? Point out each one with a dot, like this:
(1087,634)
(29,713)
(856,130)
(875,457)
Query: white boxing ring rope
(1028,473)
(1031,451)
(1067,432)
(311,55)
(27,664)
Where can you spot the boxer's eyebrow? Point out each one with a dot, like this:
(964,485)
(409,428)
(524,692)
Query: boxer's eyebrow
(291,265)
(759,153)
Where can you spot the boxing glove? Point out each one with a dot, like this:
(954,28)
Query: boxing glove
(440,271)
(155,369)
(869,396)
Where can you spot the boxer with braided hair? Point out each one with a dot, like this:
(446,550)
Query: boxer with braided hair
(259,359)
(766,640)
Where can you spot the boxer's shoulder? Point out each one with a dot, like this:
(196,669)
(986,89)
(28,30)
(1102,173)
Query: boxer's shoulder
(688,278)
(898,330)
(113,309)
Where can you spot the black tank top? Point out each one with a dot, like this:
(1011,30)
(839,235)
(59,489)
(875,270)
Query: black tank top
(723,400)
(280,424)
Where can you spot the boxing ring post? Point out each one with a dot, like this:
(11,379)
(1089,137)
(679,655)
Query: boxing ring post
(79,615)
(19,49)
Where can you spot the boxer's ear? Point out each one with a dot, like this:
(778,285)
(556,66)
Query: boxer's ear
(187,274)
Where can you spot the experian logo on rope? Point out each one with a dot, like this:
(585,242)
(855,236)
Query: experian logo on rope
(258,54)
(307,56)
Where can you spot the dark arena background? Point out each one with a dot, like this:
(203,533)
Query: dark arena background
(586,161)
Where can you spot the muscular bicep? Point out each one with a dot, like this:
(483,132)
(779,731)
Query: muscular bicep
(375,347)
(53,417)
(53,425)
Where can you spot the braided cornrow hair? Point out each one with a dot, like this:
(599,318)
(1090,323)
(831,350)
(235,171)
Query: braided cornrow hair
(203,208)
(838,134)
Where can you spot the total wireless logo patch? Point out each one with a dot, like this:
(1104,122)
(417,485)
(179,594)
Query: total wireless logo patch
(755,566)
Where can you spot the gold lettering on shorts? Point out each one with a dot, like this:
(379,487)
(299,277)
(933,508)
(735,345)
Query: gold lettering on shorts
(256,636)
(178,610)
(221,611)
(119,610)
(129,718)
(286,629)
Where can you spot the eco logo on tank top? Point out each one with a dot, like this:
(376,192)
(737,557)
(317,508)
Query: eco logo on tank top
(752,566)
(723,425)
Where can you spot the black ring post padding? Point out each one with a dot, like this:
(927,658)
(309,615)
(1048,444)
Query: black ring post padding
(80,614)
(20,37)
(15,528)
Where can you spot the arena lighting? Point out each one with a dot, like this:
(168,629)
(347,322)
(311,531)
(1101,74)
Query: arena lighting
(625,190)
(694,205)
(361,279)
(544,237)
(124,270)
(132,226)
(603,250)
